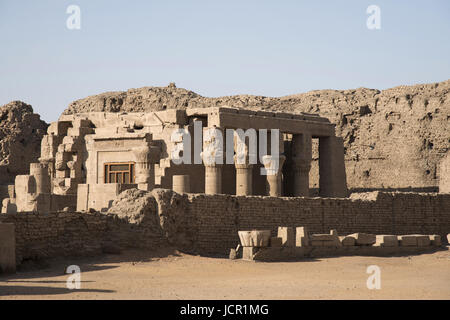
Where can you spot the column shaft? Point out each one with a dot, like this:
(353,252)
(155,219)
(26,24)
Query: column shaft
(213,179)
(301,160)
(244,179)
(274,176)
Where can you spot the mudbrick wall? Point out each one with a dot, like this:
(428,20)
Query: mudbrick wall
(208,224)
(218,218)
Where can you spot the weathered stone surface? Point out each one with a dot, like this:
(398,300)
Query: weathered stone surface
(325,243)
(255,238)
(435,240)
(408,240)
(208,224)
(364,238)
(412,240)
(260,238)
(322,237)
(248,253)
(347,241)
(423,241)
(21,132)
(383,240)
(287,234)
(301,237)
(233,254)
(403,128)
(444,174)
(245,237)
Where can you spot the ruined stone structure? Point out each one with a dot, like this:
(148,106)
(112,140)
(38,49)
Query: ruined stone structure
(87,159)
(209,224)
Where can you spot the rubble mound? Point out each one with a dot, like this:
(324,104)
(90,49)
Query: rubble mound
(394,139)
(21,132)
(162,212)
(134,206)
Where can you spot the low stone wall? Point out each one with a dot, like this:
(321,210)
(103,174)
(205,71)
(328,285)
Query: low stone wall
(217,219)
(40,236)
(209,224)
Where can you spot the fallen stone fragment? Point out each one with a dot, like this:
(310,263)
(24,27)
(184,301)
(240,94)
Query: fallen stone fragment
(287,235)
(435,240)
(301,237)
(233,254)
(364,238)
(347,241)
(384,240)
(407,241)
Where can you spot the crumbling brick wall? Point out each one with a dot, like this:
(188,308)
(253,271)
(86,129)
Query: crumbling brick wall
(208,224)
(217,219)
(62,234)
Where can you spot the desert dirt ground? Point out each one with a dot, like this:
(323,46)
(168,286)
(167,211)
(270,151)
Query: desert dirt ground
(168,274)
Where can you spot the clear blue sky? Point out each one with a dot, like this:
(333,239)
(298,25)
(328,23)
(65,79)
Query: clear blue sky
(216,48)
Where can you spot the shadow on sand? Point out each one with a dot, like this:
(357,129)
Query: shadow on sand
(56,267)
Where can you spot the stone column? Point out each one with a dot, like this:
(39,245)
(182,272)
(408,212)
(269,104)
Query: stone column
(244,179)
(246,156)
(274,175)
(301,168)
(39,198)
(332,177)
(301,163)
(41,177)
(212,157)
(213,178)
(146,156)
(181,184)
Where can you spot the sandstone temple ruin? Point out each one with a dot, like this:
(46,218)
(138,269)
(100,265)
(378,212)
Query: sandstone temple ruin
(106,176)
(87,159)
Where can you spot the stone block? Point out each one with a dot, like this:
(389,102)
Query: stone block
(364,238)
(248,253)
(323,237)
(233,254)
(423,240)
(301,237)
(383,240)
(9,206)
(316,243)
(287,235)
(435,240)
(347,241)
(7,248)
(276,242)
(62,174)
(260,238)
(407,241)
(81,123)
(254,238)
(326,243)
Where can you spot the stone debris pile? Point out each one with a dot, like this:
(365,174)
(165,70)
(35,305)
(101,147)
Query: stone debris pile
(296,242)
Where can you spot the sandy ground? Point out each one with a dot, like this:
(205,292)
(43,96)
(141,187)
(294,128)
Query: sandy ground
(172,275)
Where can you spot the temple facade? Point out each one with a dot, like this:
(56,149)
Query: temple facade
(88,159)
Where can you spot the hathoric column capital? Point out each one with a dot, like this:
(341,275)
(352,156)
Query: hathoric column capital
(147,154)
(244,161)
(273,164)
